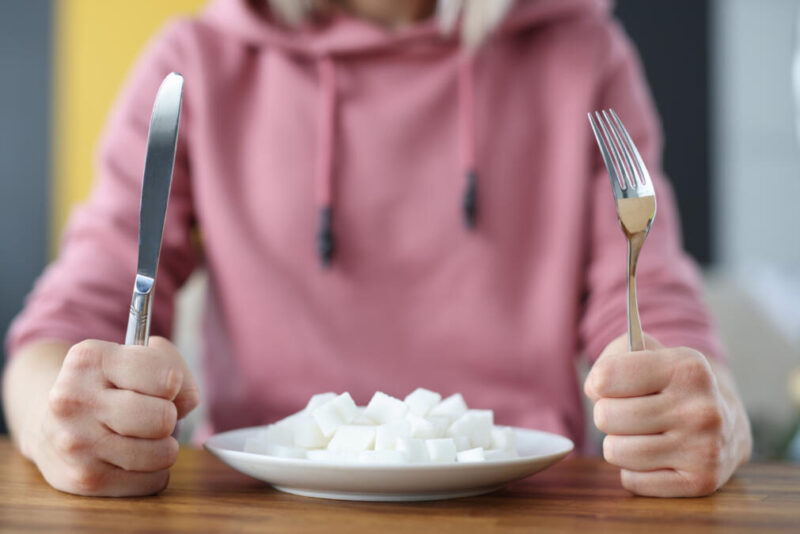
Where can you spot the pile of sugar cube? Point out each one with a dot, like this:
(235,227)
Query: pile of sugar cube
(422,428)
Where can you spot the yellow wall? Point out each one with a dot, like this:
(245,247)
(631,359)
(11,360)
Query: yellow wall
(95,41)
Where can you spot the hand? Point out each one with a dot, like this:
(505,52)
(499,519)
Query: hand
(673,427)
(109,418)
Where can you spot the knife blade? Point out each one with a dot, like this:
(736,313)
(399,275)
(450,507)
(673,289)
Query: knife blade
(162,140)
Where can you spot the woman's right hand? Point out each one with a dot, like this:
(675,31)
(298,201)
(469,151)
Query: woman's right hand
(107,426)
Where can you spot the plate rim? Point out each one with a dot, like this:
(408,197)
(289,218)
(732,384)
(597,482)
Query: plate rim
(332,466)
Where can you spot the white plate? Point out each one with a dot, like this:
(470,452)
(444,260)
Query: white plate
(357,482)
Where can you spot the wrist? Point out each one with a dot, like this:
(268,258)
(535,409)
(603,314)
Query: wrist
(30,432)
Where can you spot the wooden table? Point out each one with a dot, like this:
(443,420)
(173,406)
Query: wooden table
(576,495)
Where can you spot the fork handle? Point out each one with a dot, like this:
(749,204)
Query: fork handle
(635,335)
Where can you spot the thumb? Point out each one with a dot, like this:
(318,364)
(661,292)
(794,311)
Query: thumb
(620,345)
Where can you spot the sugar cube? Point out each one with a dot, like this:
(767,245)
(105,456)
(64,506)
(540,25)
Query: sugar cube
(386,435)
(462,443)
(504,439)
(335,413)
(347,407)
(442,450)
(318,400)
(471,455)
(428,427)
(278,433)
(307,433)
(414,449)
(328,418)
(382,408)
(452,407)
(476,425)
(421,400)
(362,419)
(422,428)
(352,438)
(440,425)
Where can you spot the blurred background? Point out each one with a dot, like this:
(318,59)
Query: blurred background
(721,72)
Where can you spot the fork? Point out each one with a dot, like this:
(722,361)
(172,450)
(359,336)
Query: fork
(635,200)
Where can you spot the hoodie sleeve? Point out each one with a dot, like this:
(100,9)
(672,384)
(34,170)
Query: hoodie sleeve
(669,290)
(85,293)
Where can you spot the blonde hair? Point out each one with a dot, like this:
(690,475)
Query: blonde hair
(478,17)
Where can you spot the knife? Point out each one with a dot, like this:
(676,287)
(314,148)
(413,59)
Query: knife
(159,162)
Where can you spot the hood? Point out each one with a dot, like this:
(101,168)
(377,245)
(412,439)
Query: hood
(343,34)
(340,36)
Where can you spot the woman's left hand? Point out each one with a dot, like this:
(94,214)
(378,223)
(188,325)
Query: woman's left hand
(675,424)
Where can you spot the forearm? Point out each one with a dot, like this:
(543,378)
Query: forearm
(741,438)
(26,385)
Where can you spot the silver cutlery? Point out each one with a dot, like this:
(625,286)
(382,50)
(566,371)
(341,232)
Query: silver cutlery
(635,201)
(159,162)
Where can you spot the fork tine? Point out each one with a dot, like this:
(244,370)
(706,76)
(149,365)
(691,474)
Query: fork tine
(607,158)
(631,175)
(632,148)
(625,181)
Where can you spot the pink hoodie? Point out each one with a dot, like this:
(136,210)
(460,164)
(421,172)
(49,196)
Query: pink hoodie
(396,140)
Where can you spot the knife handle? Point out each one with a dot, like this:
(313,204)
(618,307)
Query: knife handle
(138,332)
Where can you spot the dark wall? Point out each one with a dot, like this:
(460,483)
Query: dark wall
(24,150)
(672,38)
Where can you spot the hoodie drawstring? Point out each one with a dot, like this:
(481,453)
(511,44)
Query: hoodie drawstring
(323,179)
(466,133)
(326,137)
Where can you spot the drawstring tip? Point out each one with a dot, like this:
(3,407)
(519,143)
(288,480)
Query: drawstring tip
(470,202)
(325,237)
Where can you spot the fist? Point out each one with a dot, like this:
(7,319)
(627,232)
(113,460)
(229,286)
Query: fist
(668,426)
(110,415)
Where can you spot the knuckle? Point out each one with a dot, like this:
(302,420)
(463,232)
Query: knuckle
(695,372)
(62,402)
(68,442)
(86,481)
(173,378)
(84,355)
(708,417)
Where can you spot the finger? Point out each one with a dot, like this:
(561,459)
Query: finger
(101,479)
(188,396)
(136,454)
(650,414)
(135,415)
(629,374)
(666,483)
(639,453)
(146,370)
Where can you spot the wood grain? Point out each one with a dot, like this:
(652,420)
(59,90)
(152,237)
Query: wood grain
(576,495)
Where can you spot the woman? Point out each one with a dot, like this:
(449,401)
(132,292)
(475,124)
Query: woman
(380,208)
